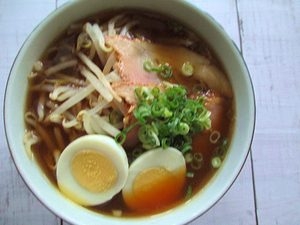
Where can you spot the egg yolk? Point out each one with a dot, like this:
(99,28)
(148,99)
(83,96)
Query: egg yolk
(155,188)
(93,171)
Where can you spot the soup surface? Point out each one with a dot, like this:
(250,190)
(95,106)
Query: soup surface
(149,84)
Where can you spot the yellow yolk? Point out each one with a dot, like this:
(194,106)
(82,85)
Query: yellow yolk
(93,171)
(154,188)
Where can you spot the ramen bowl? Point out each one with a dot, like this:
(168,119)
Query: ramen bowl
(200,22)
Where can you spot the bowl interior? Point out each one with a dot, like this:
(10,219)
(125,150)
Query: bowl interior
(200,22)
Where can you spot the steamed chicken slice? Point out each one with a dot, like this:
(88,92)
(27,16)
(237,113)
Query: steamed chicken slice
(132,53)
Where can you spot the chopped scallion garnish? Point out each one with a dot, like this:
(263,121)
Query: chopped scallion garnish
(120,137)
(164,69)
(149,65)
(189,192)
(198,157)
(115,117)
(169,118)
(216,162)
(196,165)
(187,69)
(190,174)
(188,157)
(221,149)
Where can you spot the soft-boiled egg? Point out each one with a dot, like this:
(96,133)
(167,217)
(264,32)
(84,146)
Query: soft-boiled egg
(155,180)
(92,169)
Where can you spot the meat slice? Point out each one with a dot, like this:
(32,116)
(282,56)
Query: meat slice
(132,53)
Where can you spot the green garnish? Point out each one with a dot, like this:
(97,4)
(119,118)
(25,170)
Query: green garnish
(189,192)
(149,65)
(169,117)
(190,174)
(222,149)
(115,117)
(219,153)
(216,162)
(187,69)
(121,137)
(164,69)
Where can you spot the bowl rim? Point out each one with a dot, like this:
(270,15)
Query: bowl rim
(57,11)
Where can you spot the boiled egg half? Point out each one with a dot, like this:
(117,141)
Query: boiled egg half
(92,169)
(155,180)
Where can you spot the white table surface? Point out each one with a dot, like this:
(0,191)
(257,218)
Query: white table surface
(267,190)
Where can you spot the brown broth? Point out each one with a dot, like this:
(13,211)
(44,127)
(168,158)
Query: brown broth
(201,143)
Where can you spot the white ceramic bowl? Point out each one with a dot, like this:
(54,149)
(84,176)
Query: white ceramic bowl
(203,24)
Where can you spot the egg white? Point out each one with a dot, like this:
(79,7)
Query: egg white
(107,147)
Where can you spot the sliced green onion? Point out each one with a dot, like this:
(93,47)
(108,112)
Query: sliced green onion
(186,147)
(120,137)
(149,65)
(148,136)
(198,157)
(167,113)
(222,148)
(196,165)
(115,117)
(165,142)
(171,118)
(224,142)
(189,192)
(164,69)
(188,157)
(183,128)
(157,109)
(182,142)
(175,103)
(214,137)
(144,93)
(187,69)
(190,174)
(142,113)
(155,91)
(216,162)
